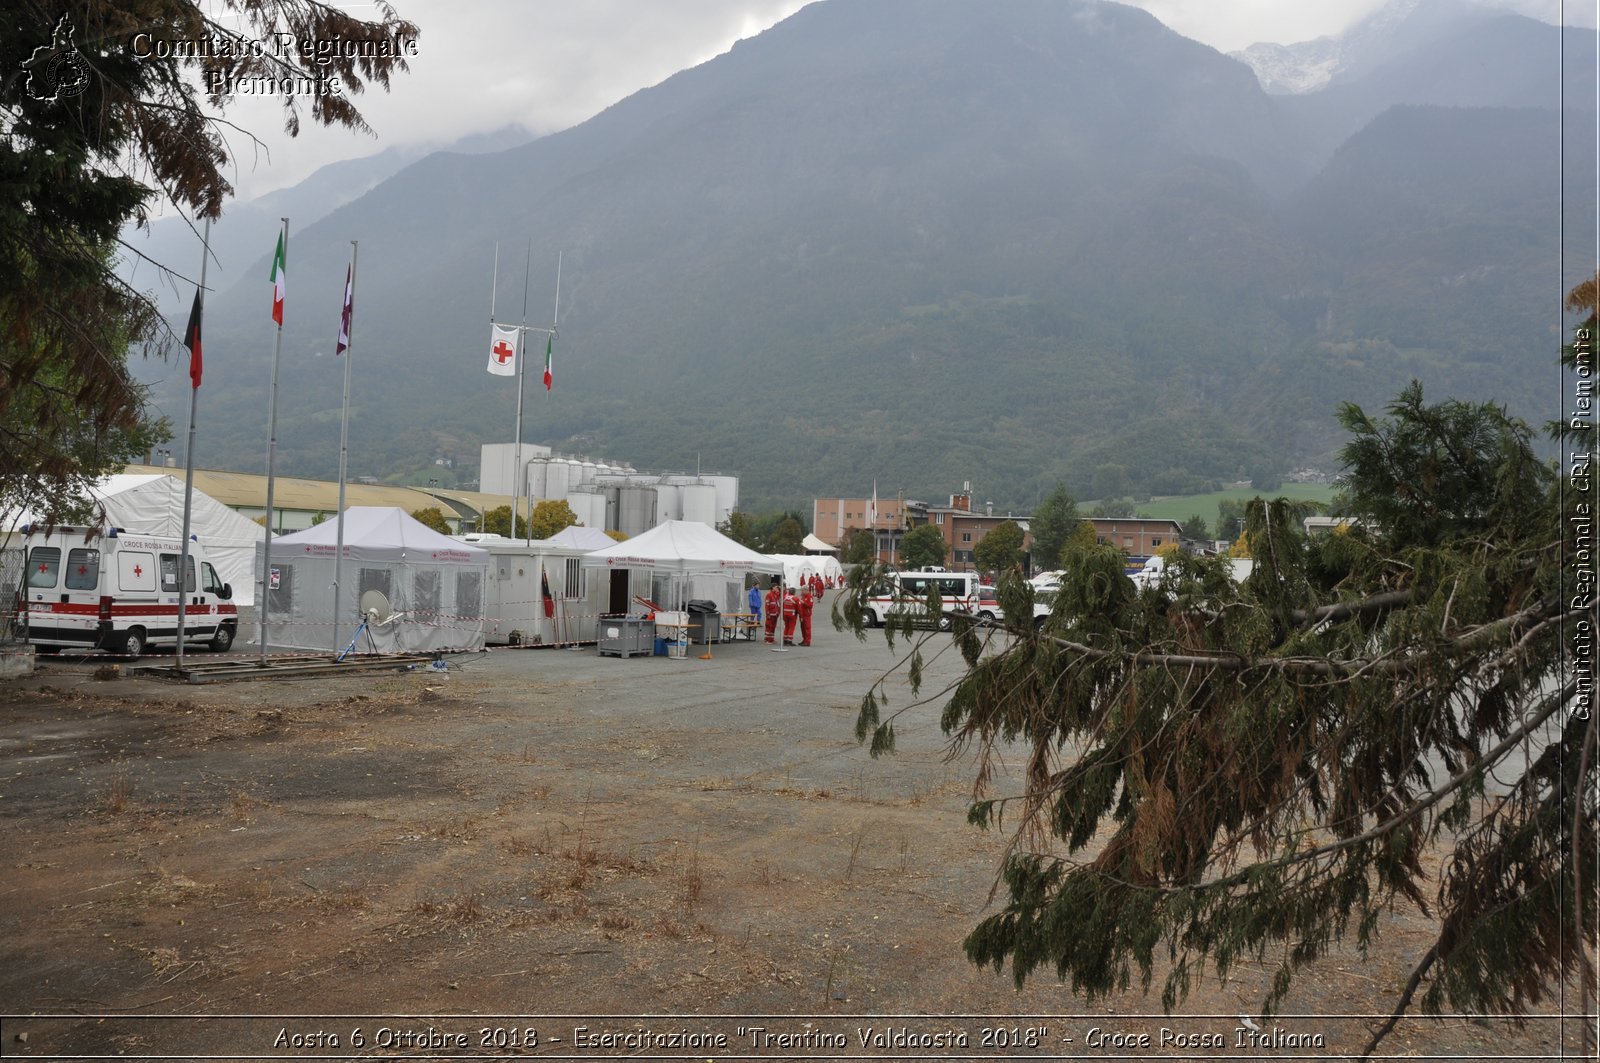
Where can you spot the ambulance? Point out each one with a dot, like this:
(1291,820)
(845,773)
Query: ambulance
(115,590)
(907,592)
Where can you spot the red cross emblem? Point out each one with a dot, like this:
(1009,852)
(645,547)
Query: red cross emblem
(138,570)
(43,567)
(83,570)
(502,351)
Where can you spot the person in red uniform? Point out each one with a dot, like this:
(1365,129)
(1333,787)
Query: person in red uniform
(791,613)
(772,601)
(807,604)
(816,586)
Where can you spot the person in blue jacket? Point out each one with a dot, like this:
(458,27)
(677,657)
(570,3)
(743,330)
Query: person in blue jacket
(755,606)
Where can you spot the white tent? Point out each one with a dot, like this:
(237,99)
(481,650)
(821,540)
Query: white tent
(689,560)
(431,586)
(579,537)
(153,503)
(798,568)
(811,544)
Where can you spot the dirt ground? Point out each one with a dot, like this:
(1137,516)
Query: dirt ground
(665,851)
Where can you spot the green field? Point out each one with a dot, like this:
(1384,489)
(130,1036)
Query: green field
(1182,507)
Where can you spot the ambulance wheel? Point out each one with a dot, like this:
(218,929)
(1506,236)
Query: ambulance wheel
(222,640)
(868,619)
(986,615)
(945,622)
(133,642)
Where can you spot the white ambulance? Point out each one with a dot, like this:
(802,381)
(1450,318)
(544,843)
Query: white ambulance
(907,592)
(116,590)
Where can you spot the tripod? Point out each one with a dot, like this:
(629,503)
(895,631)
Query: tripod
(365,619)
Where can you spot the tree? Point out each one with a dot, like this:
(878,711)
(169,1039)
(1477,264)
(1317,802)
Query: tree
(1222,772)
(740,527)
(1051,524)
(787,537)
(432,517)
(1121,507)
(95,124)
(860,548)
(923,547)
(497,521)
(1001,549)
(1230,518)
(549,517)
(1194,528)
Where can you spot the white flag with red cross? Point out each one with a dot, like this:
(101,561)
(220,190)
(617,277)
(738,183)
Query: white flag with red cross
(503,352)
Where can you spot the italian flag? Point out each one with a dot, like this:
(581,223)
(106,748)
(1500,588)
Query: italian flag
(280,277)
(549,377)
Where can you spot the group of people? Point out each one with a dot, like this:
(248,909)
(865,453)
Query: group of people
(793,604)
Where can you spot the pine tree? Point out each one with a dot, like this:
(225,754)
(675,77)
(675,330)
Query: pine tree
(1220,772)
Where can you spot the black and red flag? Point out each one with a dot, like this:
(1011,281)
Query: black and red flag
(191,340)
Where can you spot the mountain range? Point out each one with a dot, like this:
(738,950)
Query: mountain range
(927,241)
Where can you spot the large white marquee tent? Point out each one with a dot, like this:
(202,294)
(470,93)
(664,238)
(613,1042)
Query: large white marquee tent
(431,586)
(152,503)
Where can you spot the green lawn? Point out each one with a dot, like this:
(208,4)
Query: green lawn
(1182,507)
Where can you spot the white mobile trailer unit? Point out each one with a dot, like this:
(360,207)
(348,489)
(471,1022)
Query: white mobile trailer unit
(515,610)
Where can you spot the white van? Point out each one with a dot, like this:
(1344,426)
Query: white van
(907,592)
(111,589)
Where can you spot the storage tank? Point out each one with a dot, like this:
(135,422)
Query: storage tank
(537,469)
(558,478)
(612,494)
(636,510)
(699,502)
(597,510)
(669,506)
(586,471)
(727,490)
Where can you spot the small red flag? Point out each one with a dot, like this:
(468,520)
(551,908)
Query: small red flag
(191,340)
(544,588)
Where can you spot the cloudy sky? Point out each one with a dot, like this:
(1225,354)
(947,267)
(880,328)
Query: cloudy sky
(486,64)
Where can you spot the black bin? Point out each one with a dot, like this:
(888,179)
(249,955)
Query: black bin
(705,621)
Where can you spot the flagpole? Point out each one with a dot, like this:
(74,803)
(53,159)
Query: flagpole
(188,460)
(272,446)
(347,336)
(522,372)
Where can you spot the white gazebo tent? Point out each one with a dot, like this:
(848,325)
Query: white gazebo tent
(152,503)
(688,560)
(425,589)
(812,545)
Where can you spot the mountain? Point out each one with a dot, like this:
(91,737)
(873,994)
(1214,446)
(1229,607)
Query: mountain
(236,238)
(925,241)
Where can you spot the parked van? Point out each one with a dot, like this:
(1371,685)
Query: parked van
(111,589)
(902,592)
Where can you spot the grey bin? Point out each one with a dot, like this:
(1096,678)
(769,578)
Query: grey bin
(625,636)
(705,621)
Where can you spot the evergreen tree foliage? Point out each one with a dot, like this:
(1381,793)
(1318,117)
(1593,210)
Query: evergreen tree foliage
(1217,773)
(1052,522)
(93,129)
